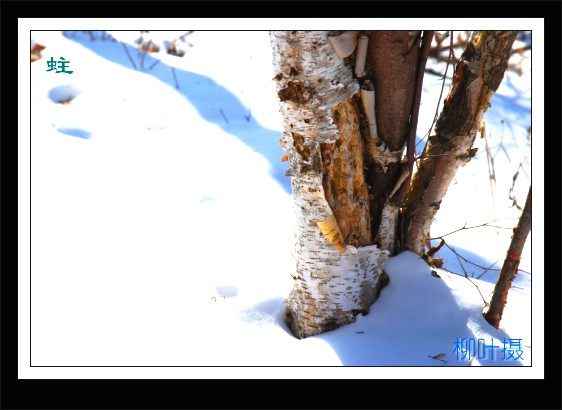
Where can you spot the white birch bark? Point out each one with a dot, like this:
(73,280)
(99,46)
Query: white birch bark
(335,282)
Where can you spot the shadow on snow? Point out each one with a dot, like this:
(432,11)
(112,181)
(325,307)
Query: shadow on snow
(213,102)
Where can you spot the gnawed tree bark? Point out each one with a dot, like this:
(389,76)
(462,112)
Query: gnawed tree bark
(477,76)
(510,265)
(339,271)
(353,199)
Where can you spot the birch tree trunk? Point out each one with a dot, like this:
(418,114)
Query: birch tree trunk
(353,199)
(339,271)
(477,76)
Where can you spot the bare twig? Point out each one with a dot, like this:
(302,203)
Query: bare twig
(487,224)
(466,276)
(129,55)
(442,87)
(153,64)
(491,170)
(424,52)
(183,36)
(175,79)
(438,357)
(458,255)
(248,117)
(487,269)
(224,116)
(511,195)
(142,59)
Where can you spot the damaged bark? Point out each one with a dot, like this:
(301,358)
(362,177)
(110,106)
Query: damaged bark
(349,104)
(477,76)
(339,271)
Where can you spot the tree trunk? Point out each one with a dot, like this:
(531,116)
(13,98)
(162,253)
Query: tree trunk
(345,145)
(339,271)
(393,58)
(510,266)
(477,76)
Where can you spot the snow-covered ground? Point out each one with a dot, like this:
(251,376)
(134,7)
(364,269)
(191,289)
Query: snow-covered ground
(161,224)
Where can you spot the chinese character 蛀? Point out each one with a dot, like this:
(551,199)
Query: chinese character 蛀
(62,65)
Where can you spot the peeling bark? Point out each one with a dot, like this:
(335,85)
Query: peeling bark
(346,163)
(478,74)
(510,265)
(339,271)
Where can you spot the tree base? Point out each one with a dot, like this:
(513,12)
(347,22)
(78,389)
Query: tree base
(303,329)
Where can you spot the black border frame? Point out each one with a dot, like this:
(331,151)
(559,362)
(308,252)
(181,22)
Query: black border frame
(160,394)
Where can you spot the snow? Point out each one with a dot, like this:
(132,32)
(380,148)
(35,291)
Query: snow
(161,223)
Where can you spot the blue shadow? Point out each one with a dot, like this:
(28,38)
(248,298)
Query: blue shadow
(213,102)
(75,132)
(409,337)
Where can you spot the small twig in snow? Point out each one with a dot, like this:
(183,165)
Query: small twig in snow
(224,116)
(175,79)
(249,116)
(129,55)
(142,59)
(153,64)
(438,357)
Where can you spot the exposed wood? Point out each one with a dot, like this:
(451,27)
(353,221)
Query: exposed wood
(340,272)
(344,181)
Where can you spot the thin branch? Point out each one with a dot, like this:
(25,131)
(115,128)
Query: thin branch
(511,189)
(458,255)
(142,59)
(491,171)
(487,269)
(466,276)
(129,55)
(425,46)
(442,87)
(224,116)
(175,79)
(182,37)
(414,112)
(485,224)
(153,64)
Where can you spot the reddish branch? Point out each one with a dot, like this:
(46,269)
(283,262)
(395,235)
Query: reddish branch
(510,266)
(414,112)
